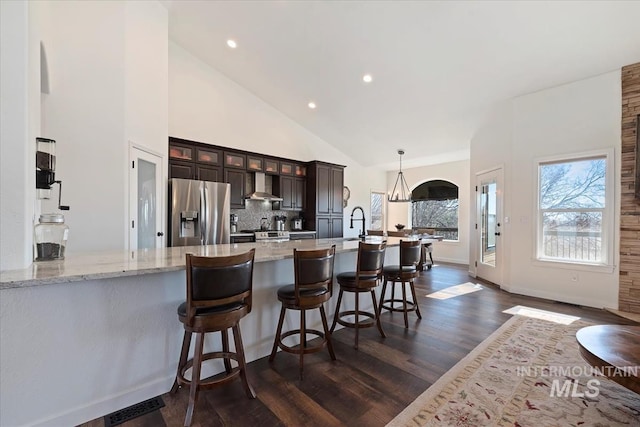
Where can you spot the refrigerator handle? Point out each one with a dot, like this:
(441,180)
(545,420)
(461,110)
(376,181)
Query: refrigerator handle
(203,214)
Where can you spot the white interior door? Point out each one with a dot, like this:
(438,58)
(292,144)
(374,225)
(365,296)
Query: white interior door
(146,228)
(488,225)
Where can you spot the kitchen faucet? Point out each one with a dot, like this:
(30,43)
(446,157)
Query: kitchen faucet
(364,221)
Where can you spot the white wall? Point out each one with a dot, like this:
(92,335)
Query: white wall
(576,117)
(490,149)
(146,89)
(85,115)
(455,172)
(206,106)
(19,126)
(108,71)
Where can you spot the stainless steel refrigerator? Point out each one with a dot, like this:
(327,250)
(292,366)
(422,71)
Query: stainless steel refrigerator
(198,212)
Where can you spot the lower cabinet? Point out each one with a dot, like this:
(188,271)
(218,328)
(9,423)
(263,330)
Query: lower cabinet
(302,236)
(242,239)
(329,227)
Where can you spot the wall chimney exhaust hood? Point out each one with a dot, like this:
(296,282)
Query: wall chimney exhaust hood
(259,190)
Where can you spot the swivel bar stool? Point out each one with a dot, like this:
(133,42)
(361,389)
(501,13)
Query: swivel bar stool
(406,272)
(365,279)
(218,296)
(312,288)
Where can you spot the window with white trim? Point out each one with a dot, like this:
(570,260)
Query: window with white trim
(575,209)
(377,210)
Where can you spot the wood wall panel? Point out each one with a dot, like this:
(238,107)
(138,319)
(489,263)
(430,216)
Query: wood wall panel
(629,294)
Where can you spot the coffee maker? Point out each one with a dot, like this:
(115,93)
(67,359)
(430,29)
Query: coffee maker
(234,223)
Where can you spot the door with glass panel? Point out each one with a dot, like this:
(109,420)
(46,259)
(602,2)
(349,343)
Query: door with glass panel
(146,230)
(488,225)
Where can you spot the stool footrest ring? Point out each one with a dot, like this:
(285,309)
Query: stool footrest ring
(297,349)
(411,306)
(209,382)
(368,322)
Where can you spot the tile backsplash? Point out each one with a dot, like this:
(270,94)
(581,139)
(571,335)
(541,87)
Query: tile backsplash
(249,218)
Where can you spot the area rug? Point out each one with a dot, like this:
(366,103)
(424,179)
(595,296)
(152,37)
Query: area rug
(527,373)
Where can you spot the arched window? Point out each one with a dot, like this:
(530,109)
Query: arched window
(435,205)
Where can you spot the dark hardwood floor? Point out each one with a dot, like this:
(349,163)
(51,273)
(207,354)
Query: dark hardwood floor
(369,386)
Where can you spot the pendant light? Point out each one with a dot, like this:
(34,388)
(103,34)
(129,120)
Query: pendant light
(401,191)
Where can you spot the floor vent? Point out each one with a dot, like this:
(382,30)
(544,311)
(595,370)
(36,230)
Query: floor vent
(568,303)
(133,411)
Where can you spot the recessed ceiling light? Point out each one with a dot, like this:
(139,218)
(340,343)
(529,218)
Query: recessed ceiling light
(367,78)
(232,44)
(312,105)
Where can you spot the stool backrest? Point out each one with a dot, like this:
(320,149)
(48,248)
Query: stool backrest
(313,269)
(375,232)
(370,260)
(401,233)
(410,252)
(215,281)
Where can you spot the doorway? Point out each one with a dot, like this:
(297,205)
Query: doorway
(489,196)
(146,230)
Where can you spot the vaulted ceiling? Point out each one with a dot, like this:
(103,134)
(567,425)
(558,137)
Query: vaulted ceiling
(437,67)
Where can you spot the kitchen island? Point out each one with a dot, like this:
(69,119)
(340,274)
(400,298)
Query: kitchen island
(95,333)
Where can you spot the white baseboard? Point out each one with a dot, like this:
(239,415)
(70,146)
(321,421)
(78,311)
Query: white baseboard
(108,405)
(578,300)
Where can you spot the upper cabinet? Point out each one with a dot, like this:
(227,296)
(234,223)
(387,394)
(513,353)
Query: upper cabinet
(196,160)
(179,151)
(255,163)
(189,161)
(300,170)
(271,167)
(235,160)
(286,168)
(209,156)
(324,198)
(292,190)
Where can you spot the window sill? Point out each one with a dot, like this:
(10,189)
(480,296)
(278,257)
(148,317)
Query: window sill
(594,268)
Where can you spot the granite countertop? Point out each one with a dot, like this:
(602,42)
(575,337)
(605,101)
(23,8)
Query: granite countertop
(102,265)
(240,234)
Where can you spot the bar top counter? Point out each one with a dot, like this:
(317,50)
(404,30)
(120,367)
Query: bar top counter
(102,265)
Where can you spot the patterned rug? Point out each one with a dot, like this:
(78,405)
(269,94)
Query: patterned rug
(527,373)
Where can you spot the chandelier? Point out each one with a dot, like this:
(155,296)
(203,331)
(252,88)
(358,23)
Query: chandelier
(401,191)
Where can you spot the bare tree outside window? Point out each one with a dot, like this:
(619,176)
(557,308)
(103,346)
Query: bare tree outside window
(572,208)
(435,205)
(377,210)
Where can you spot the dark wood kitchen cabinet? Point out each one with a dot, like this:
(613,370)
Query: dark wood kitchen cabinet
(329,227)
(324,198)
(299,193)
(271,167)
(190,161)
(182,169)
(209,173)
(237,179)
(292,190)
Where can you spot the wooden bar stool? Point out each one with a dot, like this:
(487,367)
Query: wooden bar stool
(368,275)
(218,296)
(312,288)
(406,272)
